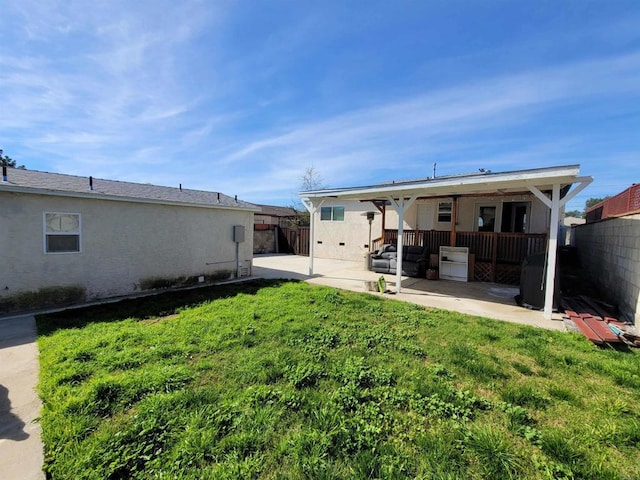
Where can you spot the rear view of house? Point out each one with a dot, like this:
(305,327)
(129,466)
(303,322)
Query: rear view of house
(66,238)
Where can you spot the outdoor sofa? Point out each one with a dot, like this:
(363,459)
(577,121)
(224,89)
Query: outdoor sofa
(414,260)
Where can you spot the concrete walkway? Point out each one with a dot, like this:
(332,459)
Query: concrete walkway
(20,444)
(490,300)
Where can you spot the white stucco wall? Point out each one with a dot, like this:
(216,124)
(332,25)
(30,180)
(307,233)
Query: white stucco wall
(346,240)
(122,244)
(610,251)
(467,210)
(354,230)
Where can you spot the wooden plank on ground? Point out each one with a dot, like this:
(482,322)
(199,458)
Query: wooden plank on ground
(586,330)
(601,329)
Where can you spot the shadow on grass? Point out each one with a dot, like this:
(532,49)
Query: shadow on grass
(159,305)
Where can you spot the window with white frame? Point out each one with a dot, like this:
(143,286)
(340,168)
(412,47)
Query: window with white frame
(62,232)
(444,212)
(335,214)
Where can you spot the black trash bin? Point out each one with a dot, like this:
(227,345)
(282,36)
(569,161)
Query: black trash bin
(532,282)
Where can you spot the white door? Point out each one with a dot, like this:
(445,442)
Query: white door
(425,216)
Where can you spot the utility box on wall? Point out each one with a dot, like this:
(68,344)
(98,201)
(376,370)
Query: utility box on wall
(238,233)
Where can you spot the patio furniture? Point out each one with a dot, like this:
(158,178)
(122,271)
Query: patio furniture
(414,260)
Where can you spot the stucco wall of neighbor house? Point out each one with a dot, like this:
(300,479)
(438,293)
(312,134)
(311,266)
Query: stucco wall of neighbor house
(610,251)
(266,219)
(346,240)
(467,211)
(124,245)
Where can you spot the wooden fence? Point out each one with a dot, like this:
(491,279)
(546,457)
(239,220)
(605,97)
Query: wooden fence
(298,239)
(497,256)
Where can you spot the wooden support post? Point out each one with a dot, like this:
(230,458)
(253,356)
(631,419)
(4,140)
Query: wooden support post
(494,256)
(454,220)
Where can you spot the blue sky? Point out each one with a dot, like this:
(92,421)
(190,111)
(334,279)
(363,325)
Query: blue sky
(242,96)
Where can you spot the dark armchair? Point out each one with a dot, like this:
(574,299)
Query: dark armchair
(414,260)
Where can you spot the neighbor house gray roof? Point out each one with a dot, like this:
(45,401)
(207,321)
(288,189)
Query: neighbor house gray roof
(44,183)
(275,211)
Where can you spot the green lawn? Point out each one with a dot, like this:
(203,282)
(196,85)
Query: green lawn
(283,380)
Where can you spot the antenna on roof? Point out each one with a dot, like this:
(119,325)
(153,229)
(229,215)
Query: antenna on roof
(434,169)
(236,198)
(90,183)
(218,197)
(180,187)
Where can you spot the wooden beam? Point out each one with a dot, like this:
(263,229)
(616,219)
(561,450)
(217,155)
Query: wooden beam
(454,220)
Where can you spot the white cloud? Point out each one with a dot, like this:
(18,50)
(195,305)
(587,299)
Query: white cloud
(374,137)
(104,87)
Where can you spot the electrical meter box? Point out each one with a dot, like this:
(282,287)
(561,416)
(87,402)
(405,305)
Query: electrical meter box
(238,233)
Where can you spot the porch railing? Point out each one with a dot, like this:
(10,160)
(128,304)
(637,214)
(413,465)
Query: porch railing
(497,255)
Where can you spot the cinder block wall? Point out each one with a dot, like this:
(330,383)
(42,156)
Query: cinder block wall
(264,241)
(610,251)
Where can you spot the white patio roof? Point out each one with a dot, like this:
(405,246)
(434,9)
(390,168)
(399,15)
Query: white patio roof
(550,185)
(487,183)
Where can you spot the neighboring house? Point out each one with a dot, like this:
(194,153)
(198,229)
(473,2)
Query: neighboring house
(73,238)
(626,202)
(274,215)
(608,248)
(568,227)
(270,230)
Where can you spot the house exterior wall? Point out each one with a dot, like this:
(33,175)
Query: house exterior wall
(265,219)
(346,240)
(467,211)
(124,245)
(610,251)
(354,230)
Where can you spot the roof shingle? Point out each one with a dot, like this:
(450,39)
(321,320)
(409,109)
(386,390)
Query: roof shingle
(61,184)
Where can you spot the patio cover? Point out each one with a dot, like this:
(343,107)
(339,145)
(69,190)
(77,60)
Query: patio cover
(552,185)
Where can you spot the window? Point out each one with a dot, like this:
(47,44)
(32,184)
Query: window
(335,214)
(444,212)
(61,232)
(487,219)
(515,217)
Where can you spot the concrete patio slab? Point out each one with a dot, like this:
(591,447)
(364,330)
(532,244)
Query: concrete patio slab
(489,300)
(21,455)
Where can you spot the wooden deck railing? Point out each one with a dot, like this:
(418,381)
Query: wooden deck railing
(493,248)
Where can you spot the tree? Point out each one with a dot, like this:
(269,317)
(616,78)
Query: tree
(594,201)
(574,213)
(310,180)
(7,161)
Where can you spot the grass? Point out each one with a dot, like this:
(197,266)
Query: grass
(283,380)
